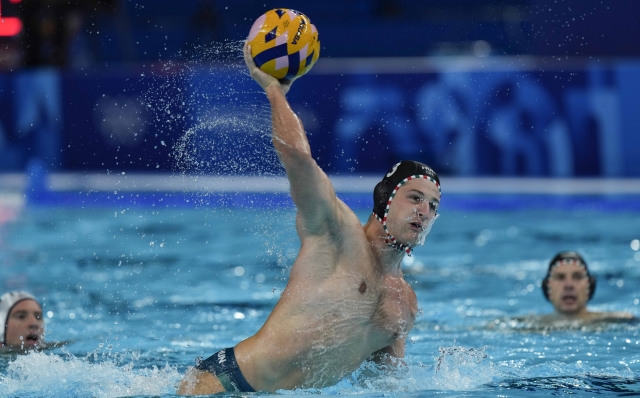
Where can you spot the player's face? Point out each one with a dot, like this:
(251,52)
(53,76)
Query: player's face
(569,288)
(412,211)
(25,326)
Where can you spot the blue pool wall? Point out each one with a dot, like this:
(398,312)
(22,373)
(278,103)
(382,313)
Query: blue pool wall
(514,119)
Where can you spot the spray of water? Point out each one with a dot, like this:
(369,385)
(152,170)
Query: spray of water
(212,114)
(427,229)
(40,374)
(216,123)
(455,369)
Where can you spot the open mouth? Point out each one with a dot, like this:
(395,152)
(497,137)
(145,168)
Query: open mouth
(416,225)
(569,299)
(32,339)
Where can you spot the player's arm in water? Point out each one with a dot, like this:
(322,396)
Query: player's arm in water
(311,189)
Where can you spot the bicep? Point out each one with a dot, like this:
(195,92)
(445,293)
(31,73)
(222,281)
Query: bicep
(311,189)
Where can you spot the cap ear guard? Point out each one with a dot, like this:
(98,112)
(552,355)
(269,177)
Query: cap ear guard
(381,194)
(545,287)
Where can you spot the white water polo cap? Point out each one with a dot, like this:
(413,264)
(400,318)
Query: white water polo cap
(7,302)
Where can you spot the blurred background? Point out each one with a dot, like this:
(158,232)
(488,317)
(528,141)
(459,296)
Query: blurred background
(474,88)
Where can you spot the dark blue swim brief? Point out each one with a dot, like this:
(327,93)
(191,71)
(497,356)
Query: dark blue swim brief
(224,366)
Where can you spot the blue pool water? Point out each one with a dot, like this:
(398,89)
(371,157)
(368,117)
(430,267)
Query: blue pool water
(137,293)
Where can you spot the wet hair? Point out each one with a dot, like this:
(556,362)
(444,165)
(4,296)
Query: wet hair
(7,302)
(567,257)
(395,176)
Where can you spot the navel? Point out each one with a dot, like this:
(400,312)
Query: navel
(362,288)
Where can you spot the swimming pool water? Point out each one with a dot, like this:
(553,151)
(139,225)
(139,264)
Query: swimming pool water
(138,293)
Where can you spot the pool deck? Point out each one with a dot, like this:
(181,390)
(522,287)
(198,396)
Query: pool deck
(16,189)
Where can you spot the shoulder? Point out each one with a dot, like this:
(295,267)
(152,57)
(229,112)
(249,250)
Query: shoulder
(610,316)
(341,223)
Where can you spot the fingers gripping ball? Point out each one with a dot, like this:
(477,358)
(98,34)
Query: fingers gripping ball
(284,43)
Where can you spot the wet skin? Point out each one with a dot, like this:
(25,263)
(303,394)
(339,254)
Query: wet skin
(413,207)
(346,300)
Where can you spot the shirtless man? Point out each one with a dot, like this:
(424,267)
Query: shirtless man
(569,286)
(346,300)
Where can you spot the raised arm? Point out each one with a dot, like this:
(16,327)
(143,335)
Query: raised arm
(311,189)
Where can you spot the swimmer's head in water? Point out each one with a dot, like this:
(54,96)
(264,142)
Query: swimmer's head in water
(7,302)
(385,190)
(567,258)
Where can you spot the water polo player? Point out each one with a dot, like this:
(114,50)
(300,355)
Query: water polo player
(346,300)
(569,286)
(21,324)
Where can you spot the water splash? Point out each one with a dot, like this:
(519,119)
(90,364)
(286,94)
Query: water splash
(460,368)
(214,122)
(213,116)
(455,369)
(229,143)
(40,374)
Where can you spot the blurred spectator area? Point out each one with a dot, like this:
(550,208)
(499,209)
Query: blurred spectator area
(78,33)
(536,117)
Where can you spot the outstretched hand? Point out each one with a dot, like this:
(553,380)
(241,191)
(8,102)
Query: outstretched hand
(264,80)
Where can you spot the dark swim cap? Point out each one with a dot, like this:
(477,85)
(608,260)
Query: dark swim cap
(567,257)
(405,170)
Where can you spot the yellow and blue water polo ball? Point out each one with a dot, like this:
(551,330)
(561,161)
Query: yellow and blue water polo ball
(284,43)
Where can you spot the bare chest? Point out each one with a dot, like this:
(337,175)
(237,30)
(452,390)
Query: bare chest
(384,303)
(396,308)
(384,307)
(339,322)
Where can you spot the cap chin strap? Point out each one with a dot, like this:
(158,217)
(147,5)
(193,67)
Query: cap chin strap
(390,239)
